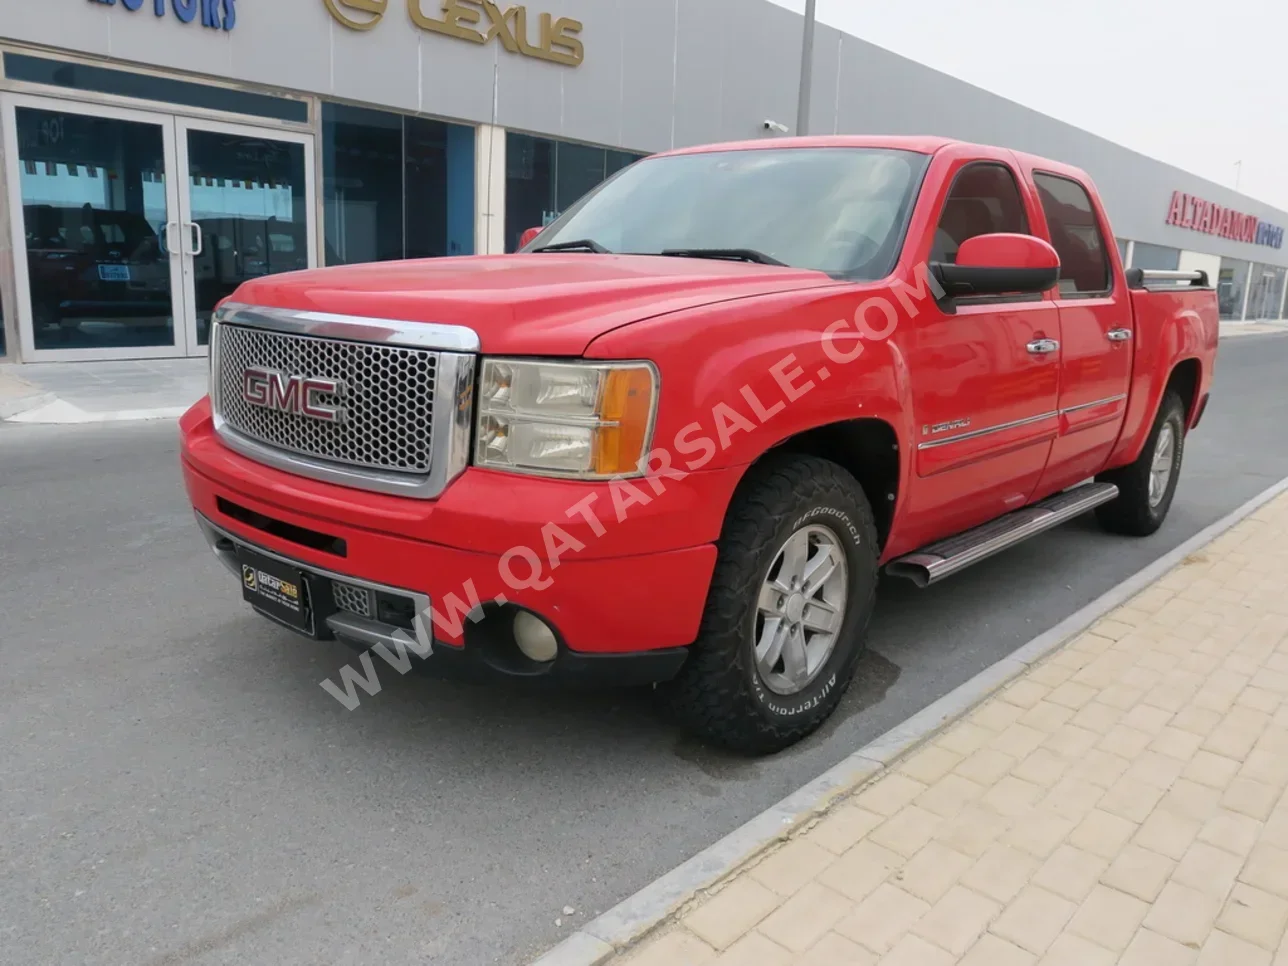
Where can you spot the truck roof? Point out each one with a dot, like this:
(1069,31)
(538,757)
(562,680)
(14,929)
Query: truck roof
(918,144)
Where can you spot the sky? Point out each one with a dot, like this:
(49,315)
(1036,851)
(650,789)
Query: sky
(1200,84)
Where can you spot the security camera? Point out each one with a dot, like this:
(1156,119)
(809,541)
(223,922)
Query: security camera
(775,126)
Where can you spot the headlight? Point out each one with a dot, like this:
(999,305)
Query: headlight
(580,420)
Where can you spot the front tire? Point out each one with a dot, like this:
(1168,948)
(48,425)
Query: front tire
(793,590)
(1147,486)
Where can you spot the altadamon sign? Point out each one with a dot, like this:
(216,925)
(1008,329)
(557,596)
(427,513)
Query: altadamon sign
(1188,211)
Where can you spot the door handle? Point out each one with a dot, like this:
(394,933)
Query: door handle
(199,243)
(169,240)
(1118,335)
(1040,347)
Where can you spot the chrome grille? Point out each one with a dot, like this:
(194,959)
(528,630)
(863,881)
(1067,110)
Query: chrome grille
(388,400)
(355,600)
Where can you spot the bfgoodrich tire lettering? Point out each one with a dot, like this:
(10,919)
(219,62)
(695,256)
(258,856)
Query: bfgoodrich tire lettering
(1138,510)
(721,694)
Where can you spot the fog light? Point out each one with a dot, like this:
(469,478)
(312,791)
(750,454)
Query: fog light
(535,638)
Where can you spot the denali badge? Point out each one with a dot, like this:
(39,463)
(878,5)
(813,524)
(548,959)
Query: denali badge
(273,389)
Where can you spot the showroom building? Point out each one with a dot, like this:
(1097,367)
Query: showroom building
(158,152)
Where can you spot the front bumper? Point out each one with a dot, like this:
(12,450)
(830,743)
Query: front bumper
(637,583)
(487,651)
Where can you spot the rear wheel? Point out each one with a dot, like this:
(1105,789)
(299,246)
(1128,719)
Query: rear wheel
(793,590)
(1147,486)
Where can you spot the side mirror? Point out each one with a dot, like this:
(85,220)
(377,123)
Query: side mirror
(1001,264)
(526,238)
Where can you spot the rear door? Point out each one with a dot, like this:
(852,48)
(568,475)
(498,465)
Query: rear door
(1096,330)
(985,377)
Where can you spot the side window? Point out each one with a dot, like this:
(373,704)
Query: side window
(1084,265)
(983,200)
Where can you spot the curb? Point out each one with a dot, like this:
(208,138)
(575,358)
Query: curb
(626,923)
(50,410)
(16,406)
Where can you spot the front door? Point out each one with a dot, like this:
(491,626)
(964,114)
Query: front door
(1266,294)
(129,225)
(247,207)
(984,399)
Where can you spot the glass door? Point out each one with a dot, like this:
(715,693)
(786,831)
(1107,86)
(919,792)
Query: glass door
(247,211)
(94,213)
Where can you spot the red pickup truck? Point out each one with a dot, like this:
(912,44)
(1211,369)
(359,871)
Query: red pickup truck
(677,436)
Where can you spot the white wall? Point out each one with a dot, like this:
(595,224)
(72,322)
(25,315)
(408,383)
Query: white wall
(1198,262)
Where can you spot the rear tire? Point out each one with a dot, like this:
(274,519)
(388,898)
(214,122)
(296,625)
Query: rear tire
(792,515)
(1147,486)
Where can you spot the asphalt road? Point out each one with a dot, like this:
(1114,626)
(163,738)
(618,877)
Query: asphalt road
(176,788)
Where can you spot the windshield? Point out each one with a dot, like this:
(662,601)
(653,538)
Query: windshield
(837,210)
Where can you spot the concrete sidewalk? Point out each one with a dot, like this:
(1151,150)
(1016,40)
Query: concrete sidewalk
(1235,329)
(93,392)
(1121,802)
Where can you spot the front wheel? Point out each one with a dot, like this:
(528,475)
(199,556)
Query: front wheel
(1147,486)
(793,590)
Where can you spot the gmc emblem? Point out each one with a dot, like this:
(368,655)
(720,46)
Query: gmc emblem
(273,389)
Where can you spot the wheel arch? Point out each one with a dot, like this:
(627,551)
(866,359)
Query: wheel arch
(868,449)
(1185,379)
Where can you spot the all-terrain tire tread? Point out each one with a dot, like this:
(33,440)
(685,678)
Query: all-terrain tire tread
(711,695)
(1129,513)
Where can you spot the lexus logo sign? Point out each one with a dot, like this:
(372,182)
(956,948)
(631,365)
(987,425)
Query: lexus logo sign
(276,390)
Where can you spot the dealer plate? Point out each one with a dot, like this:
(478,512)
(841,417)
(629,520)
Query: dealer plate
(276,590)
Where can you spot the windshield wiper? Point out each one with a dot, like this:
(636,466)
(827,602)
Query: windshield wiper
(736,254)
(579,245)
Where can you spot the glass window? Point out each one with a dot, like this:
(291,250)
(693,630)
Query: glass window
(1230,287)
(1075,234)
(102,80)
(248,201)
(545,177)
(94,212)
(984,199)
(395,186)
(837,210)
(1266,294)
(1157,257)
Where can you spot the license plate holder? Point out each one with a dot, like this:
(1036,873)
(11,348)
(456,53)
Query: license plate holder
(277,590)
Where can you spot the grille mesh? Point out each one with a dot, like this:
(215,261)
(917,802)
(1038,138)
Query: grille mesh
(388,399)
(355,600)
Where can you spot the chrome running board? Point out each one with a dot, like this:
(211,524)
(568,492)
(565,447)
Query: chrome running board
(933,563)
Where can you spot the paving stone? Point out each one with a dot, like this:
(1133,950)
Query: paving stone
(805,918)
(1139,872)
(993,951)
(1034,919)
(788,869)
(1183,914)
(883,918)
(731,912)
(1108,918)
(1071,873)
(957,920)
(843,828)
(1255,916)
(836,950)
(930,873)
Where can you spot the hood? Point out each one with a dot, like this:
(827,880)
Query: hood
(534,304)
